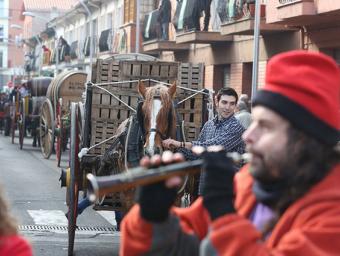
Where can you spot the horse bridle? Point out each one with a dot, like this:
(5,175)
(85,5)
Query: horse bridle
(140,118)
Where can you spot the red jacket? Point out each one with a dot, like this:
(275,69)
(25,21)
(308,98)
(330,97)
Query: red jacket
(310,226)
(14,245)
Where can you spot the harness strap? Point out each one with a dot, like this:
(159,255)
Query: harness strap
(164,137)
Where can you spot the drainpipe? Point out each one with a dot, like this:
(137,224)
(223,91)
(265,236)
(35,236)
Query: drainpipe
(256,48)
(137,25)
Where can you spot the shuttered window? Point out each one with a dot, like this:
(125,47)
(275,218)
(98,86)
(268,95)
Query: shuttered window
(226,76)
(129,11)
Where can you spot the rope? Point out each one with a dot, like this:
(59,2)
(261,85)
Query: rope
(150,80)
(114,96)
(84,151)
(193,95)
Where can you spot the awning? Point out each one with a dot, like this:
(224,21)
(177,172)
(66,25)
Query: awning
(74,50)
(151,27)
(105,40)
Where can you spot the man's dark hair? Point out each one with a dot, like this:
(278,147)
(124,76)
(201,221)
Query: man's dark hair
(226,91)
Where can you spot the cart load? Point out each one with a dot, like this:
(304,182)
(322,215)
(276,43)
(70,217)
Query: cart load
(65,88)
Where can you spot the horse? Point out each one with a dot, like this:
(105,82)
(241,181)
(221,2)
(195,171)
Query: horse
(157,116)
(159,122)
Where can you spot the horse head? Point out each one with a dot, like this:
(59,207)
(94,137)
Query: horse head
(159,118)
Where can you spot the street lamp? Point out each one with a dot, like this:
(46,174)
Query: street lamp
(34,15)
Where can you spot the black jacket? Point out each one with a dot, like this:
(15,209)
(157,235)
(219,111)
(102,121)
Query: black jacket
(165,12)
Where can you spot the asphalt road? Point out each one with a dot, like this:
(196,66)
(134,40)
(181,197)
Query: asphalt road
(31,185)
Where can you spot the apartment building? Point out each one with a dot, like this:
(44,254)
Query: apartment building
(4,43)
(226,49)
(36,14)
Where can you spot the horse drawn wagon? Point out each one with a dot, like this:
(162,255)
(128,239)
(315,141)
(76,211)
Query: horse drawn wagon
(120,126)
(26,102)
(3,102)
(65,88)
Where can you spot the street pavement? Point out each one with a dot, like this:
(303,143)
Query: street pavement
(31,186)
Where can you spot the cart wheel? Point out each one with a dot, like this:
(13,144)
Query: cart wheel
(21,122)
(47,128)
(13,119)
(74,177)
(13,128)
(60,135)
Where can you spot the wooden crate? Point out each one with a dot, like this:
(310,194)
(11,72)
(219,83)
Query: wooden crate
(191,110)
(107,113)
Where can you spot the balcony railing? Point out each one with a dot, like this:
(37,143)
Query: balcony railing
(288,1)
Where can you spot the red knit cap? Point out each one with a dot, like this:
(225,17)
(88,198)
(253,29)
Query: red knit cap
(304,87)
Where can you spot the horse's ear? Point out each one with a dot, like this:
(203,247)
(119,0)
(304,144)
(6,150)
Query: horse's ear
(141,88)
(172,89)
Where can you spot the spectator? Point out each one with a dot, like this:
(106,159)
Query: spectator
(11,243)
(286,202)
(222,130)
(47,55)
(245,98)
(206,9)
(64,50)
(242,114)
(202,6)
(164,18)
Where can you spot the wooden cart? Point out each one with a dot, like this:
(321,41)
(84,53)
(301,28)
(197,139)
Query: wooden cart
(25,108)
(111,98)
(67,87)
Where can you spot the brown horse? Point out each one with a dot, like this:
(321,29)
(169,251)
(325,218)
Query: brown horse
(159,117)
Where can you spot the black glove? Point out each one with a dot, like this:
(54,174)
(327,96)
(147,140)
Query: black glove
(218,194)
(155,201)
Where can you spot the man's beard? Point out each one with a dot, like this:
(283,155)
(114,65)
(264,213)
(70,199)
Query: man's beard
(277,167)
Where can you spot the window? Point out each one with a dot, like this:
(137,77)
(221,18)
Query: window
(146,7)
(109,20)
(87,28)
(129,11)
(2,8)
(1,59)
(226,76)
(95,26)
(119,14)
(2,33)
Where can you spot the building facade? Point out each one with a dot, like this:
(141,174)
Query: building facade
(4,43)
(226,49)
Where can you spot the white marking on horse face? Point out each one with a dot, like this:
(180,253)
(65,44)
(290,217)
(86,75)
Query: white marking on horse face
(155,108)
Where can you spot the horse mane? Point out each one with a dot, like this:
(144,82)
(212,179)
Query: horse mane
(164,111)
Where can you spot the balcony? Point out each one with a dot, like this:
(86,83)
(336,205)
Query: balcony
(156,45)
(298,12)
(240,20)
(152,36)
(201,37)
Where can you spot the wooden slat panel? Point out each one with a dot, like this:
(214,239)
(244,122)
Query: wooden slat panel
(109,113)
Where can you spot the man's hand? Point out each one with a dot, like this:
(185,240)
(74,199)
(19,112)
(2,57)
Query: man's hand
(218,184)
(171,144)
(155,200)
